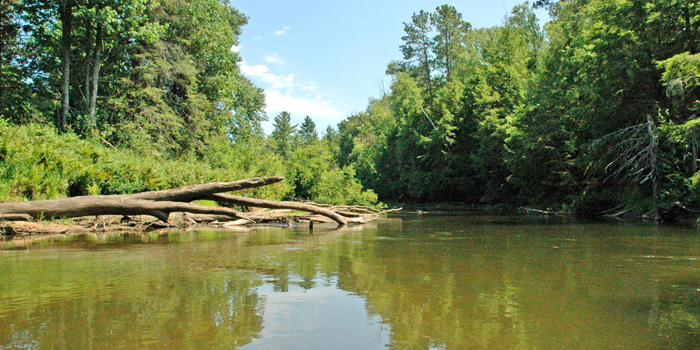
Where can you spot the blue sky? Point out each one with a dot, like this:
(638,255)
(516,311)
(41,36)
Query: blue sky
(325,59)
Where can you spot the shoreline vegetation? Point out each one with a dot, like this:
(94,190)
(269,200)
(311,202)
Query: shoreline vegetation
(595,113)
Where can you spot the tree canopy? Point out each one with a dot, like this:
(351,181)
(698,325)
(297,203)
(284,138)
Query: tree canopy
(507,115)
(156,82)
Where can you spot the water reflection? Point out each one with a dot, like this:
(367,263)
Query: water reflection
(124,297)
(323,317)
(411,282)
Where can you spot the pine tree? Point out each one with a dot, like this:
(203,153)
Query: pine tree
(418,48)
(283,134)
(307,132)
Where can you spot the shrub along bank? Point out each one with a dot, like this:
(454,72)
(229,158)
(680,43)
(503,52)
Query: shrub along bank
(37,163)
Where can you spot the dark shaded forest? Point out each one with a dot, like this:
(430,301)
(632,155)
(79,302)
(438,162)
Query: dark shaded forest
(595,110)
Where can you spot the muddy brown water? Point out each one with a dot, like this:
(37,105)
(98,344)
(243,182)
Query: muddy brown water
(410,281)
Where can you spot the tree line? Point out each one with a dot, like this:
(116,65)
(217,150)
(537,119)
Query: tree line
(159,74)
(128,96)
(596,109)
(522,114)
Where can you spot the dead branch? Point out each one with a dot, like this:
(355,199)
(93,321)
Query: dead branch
(15,217)
(544,212)
(195,192)
(263,203)
(348,208)
(200,218)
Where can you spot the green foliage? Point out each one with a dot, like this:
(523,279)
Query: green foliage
(37,163)
(166,78)
(159,81)
(448,42)
(283,134)
(418,48)
(315,177)
(307,132)
(339,186)
(497,115)
(508,114)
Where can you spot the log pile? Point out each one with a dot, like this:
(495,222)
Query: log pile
(160,204)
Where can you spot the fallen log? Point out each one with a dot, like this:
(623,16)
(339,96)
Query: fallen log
(206,218)
(109,205)
(263,203)
(201,191)
(348,208)
(15,217)
(161,204)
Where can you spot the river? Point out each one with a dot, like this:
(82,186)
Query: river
(409,281)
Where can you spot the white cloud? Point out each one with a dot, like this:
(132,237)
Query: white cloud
(256,70)
(309,86)
(236,48)
(286,93)
(274,58)
(282,31)
(276,82)
(278,102)
(280,81)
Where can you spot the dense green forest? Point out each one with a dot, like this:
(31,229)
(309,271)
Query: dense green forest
(596,109)
(104,97)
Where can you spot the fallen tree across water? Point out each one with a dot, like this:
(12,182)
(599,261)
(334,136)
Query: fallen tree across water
(161,204)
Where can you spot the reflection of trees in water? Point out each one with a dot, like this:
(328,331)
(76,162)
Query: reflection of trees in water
(679,315)
(150,291)
(499,289)
(131,299)
(206,314)
(504,290)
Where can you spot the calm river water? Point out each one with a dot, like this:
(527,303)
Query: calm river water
(431,281)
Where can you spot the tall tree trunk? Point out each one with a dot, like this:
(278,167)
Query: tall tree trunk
(654,155)
(448,62)
(66,13)
(427,71)
(690,40)
(694,157)
(95,74)
(88,64)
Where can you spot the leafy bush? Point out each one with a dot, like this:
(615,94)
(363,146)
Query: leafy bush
(317,178)
(38,163)
(339,186)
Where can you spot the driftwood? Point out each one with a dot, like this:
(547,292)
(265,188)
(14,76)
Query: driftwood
(161,204)
(108,205)
(262,203)
(195,192)
(538,211)
(15,217)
